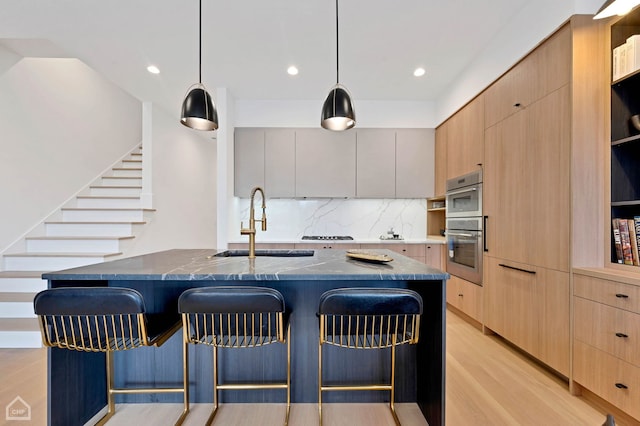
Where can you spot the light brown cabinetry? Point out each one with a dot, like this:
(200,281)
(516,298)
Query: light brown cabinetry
(440,166)
(327,245)
(248,145)
(414,251)
(465,296)
(436,212)
(541,143)
(435,256)
(606,357)
(529,306)
(465,139)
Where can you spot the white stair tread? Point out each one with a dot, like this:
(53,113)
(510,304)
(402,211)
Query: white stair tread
(107,209)
(21,274)
(19,324)
(62,254)
(115,187)
(87,238)
(95,223)
(108,197)
(16,297)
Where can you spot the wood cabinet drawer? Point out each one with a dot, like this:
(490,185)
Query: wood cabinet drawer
(612,330)
(265,246)
(612,293)
(327,245)
(465,296)
(607,376)
(410,250)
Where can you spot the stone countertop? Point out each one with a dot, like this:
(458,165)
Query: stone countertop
(199,264)
(440,240)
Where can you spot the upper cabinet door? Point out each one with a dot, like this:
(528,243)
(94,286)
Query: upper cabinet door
(465,139)
(440,165)
(280,163)
(376,163)
(414,163)
(249,160)
(325,163)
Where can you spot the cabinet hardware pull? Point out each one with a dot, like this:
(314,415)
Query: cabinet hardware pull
(484,233)
(622,296)
(460,294)
(516,269)
(621,386)
(517,105)
(622,335)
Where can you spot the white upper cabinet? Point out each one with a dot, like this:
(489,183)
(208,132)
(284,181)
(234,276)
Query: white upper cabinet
(280,163)
(376,163)
(415,163)
(362,163)
(325,163)
(249,160)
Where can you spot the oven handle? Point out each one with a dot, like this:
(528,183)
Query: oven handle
(516,269)
(461,191)
(484,233)
(460,234)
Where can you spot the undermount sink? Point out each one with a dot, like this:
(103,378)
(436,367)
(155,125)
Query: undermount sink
(266,253)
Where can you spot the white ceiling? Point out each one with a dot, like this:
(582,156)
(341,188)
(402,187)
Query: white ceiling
(248,44)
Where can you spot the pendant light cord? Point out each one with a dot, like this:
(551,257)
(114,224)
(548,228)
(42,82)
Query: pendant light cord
(337,48)
(200,43)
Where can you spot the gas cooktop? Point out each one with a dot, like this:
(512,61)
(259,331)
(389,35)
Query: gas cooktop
(327,237)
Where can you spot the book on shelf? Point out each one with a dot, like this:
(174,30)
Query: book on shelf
(625,241)
(616,240)
(634,241)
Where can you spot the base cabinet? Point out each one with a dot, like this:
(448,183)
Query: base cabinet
(529,306)
(606,347)
(465,296)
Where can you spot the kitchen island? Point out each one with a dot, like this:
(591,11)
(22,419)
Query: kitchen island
(76,384)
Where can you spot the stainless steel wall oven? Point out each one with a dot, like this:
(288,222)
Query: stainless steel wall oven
(465,238)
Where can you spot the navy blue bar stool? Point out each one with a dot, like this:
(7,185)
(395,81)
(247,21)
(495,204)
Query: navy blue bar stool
(236,317)
(368,318)
(107,319)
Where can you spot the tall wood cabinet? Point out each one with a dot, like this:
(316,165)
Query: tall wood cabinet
(465,139)
(540,140)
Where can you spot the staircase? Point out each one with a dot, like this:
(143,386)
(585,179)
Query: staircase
(93,228)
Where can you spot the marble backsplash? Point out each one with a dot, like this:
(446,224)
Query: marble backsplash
(290,219)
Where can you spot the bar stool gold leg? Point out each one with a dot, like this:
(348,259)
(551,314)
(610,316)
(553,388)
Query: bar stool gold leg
(393,380)
(110,400)
(320,377)
(215,386)
(286,419)
(185,382)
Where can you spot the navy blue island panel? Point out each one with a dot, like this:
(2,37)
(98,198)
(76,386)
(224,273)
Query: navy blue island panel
(76,384)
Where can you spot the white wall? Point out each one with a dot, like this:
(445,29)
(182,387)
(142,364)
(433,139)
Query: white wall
(536,21)
(307,114)
(184,188)
(8,58)
(62,125)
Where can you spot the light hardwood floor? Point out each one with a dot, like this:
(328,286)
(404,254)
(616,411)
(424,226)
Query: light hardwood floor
(488,383)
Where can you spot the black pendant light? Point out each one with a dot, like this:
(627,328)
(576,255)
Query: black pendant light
(198,110)
(337,112)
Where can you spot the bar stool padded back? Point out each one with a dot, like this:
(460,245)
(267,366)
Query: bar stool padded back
(105,319)
(368,318)
(236,317)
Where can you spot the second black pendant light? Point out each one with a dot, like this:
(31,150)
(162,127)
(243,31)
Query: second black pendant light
(198,110)
(337,112)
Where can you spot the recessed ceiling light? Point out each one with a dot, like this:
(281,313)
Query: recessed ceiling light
(153,69)
(419,72)
(292,70)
